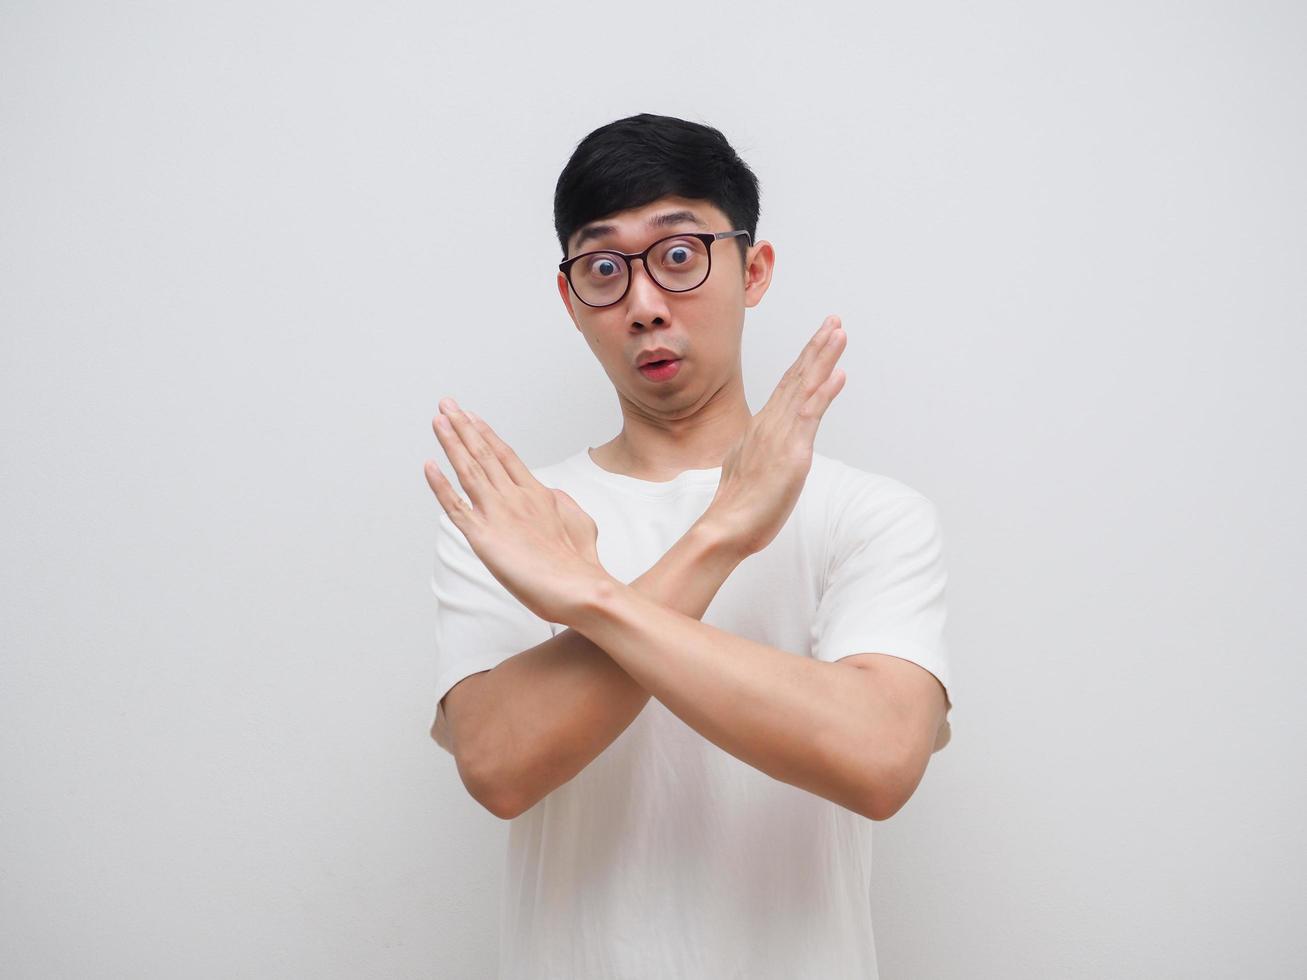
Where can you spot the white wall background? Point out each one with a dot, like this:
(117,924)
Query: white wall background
(246,247)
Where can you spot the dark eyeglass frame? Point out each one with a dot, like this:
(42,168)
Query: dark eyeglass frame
(707,237)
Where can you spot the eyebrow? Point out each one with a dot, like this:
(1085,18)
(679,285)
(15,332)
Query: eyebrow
(591,232)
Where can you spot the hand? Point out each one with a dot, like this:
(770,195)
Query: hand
(764,472)
(537,541)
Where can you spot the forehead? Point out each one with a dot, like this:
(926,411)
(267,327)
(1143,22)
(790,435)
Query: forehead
(664,216)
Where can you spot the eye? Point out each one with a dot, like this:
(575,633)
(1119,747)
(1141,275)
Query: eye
(602,267)
(681,257)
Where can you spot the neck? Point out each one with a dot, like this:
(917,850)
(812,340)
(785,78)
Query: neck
(658,447)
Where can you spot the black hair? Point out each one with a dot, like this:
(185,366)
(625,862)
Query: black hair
(630,162)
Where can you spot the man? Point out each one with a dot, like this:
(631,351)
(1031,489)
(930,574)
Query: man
(692,664)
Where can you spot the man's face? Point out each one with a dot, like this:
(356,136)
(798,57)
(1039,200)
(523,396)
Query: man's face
(702,327)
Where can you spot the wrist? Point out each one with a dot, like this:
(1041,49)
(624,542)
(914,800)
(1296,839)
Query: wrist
(715,543)
(598,603)
(706,550)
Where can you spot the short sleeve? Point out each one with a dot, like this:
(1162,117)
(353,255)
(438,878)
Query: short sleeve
(479,623)
(885,586)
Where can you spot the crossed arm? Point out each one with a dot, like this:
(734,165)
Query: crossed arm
(858,731)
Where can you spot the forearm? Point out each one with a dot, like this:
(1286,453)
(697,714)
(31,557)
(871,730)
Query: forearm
(803,721)
(550,710)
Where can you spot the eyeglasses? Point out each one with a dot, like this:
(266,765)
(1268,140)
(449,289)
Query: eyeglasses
(677,263)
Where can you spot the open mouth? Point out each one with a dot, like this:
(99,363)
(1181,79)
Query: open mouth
(663,370)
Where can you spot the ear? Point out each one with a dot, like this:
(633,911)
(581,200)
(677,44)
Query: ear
(759,262)
(565,291)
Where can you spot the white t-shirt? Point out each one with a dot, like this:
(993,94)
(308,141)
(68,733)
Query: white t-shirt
(667,857)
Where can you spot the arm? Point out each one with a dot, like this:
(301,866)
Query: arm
(533,722)
(541,548)
(810,723)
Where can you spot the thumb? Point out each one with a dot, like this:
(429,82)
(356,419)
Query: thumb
(563,500)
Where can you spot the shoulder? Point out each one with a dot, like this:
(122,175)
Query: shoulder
(845,485)
(862,508)
(851,508)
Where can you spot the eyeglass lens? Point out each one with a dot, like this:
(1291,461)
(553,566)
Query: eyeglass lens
(677,264)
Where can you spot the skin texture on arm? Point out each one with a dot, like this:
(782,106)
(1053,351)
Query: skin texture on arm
(530,724)
(859,737)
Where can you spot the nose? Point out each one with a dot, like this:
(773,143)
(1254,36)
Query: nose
(646,301)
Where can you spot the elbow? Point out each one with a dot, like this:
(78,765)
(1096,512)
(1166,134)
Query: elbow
(480,783)
(888,789)
(880,802)
(490,791)
(500,810)
(502,806)
(883,781)
(873,780)
(882,806)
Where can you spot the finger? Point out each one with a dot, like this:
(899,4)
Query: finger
(819,372)
(476,445)
(815,343)
(815,407)
(470,474)
(824,361)
(815,365)
(478,471)
(514,466)
(785,387)
(455,506)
